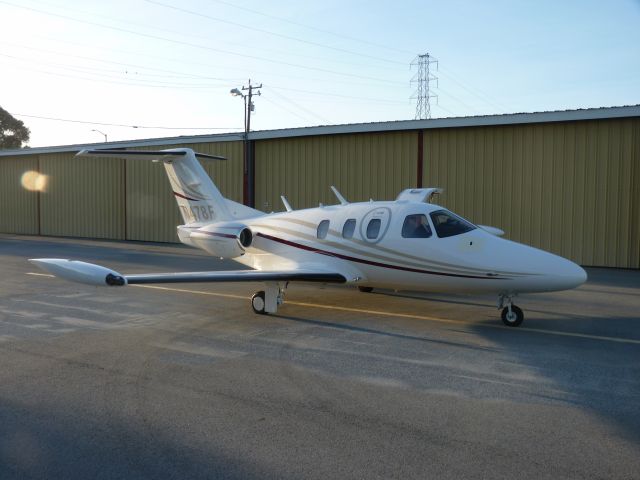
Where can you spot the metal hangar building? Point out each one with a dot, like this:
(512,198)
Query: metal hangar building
(564,181)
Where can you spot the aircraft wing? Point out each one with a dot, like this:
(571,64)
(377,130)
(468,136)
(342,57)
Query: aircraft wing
(91,274)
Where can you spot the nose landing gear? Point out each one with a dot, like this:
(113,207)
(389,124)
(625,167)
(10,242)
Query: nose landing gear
(512,315)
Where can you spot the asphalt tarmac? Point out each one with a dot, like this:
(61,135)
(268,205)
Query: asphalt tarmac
(185,381)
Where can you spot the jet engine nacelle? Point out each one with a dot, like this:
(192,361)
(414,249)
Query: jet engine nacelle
(228,241)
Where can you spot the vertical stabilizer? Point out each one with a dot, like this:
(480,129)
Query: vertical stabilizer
(198,198)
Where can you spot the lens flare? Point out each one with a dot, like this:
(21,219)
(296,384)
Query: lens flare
(34,181)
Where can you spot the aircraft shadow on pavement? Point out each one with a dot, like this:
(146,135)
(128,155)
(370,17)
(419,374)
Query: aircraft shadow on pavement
(372,331)
(599,375)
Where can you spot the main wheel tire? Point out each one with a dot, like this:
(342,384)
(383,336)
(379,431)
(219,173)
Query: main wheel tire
(514,318)
(366,289)
(258,303)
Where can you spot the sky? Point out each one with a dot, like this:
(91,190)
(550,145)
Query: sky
(135,69)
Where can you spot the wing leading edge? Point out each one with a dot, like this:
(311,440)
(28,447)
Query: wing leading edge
(91,274)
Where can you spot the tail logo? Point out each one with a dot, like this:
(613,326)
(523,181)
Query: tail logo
(191,198)
(189,192)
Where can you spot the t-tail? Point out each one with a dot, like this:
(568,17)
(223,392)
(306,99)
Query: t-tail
(199,200)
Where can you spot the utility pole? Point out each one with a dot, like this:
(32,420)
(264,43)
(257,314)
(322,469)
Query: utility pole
(423,76)
(248,182)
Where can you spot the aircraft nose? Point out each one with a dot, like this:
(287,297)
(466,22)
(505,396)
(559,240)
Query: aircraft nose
(571,275)
(547,272)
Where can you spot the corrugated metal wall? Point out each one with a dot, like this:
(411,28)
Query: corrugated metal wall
(152,212)
(102,197)
(18,206)
(84,197)
(570,188)
(361,166)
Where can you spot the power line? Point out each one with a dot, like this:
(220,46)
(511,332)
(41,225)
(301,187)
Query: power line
(178,60)
(115,82)
(268,32)
(316,29)
(297,105)
(279,105)
(100,60)
(194,45)
(157,83)
(478,93)
(189,34)
(456,99)
(472,90)
(445,109)
(349,97)
(141,82)
(86,122)
(160,84)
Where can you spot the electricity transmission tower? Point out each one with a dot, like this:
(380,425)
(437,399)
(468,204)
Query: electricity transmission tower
(423,76)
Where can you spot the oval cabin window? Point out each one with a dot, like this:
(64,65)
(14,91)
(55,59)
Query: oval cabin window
(373,228)
(349,228)
(323,229)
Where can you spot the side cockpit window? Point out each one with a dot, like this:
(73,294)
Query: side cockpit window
(323,229)
(416,226)
(447,224)
(373,228)
(349,228)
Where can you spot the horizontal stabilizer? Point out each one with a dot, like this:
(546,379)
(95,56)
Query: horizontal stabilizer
(143,154)
(91,274)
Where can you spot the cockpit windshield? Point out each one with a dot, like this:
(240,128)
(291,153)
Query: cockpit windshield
(448,224)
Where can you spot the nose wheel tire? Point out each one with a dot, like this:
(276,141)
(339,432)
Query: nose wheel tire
(366,289)
(512,318)
(258,303)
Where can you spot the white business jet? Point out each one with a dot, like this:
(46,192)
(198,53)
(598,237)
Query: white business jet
(406,244)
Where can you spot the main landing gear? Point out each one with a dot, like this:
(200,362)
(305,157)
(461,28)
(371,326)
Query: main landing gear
(512,316)
(267,301)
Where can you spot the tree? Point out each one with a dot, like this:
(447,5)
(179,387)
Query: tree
(13,133)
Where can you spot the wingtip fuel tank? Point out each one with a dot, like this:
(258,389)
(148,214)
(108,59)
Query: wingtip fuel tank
(81,272)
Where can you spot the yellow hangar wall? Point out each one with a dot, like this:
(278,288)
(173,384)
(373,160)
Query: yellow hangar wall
(82,197)
(104,197)
(572,188)
(19,207)
(361,166)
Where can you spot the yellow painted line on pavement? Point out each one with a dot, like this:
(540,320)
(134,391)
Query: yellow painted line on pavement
(197,292)
(399,315)
(416,317)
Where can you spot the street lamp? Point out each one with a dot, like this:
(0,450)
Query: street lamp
(101,133)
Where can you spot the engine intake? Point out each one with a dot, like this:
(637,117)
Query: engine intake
(224,241)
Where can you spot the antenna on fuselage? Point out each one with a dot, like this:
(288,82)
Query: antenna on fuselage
(286,204)
(341,199)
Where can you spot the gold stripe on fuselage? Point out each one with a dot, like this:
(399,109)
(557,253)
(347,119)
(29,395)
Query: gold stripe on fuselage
(419,262)
(429,263)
